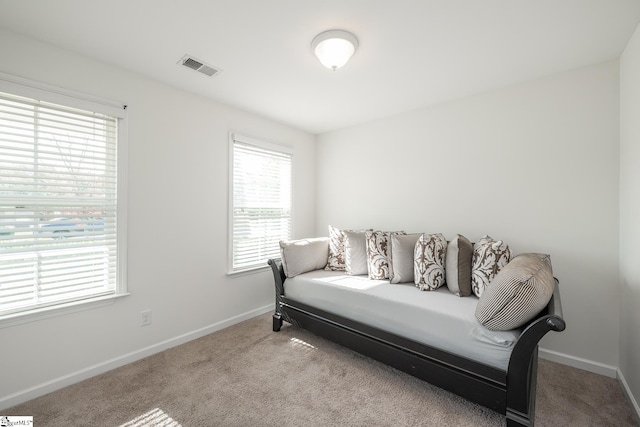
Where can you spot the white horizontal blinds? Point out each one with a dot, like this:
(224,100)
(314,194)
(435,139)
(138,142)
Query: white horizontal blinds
(58,202)
(261,204)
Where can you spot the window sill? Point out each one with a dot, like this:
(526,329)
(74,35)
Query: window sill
(57,310)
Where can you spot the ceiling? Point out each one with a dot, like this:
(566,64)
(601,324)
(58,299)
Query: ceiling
(412,53)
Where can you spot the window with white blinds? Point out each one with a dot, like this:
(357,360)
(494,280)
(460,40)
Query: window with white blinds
(58,203)
(260,201)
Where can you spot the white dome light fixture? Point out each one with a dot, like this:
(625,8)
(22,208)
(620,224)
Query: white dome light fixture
(334,47)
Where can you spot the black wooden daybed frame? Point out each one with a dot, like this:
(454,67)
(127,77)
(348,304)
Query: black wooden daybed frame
(511,392)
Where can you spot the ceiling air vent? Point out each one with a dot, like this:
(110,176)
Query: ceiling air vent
(199,66)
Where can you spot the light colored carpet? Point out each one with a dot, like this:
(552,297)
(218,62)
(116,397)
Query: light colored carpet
(247,375)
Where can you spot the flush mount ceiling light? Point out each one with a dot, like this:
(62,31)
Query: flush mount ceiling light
(334,47)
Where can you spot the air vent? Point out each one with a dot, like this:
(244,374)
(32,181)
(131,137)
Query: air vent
(199,66)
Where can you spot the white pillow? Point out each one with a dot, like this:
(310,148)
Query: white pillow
(300,256)
(355,252)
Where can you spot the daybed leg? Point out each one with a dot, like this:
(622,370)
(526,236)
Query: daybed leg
(277,322)
(517,420)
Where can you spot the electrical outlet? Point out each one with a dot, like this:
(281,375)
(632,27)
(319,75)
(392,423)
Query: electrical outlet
(146,317)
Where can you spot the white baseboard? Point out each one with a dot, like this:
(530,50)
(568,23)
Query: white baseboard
(580,363)
(91,371)
(627,390)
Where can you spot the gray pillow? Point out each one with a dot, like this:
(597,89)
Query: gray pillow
(458,266)
(300,256)
(401,247)
(518,293)
(355,252)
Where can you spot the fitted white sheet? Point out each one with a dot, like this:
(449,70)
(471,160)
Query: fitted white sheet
(436,318)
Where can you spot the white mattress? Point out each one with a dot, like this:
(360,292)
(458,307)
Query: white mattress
(437,318)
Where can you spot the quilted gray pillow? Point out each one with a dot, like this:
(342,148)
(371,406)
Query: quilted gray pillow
(518,292)
(428,267)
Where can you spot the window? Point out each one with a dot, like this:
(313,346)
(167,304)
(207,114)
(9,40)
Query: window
(60,232)
(260,202)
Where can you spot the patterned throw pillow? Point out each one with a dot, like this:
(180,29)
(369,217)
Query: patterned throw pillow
(429,259)
(377,253)
(336,260)
(489,256)
(518,293)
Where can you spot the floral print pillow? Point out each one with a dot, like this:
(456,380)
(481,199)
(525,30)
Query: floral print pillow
(429,261)
(378,253)
(489,256)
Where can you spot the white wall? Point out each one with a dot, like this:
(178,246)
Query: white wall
(177,252)
(535,165)
(630,215)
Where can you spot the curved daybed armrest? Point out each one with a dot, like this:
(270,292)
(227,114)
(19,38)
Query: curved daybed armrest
(278,275)
(278,279)
(525,349)
(554,310)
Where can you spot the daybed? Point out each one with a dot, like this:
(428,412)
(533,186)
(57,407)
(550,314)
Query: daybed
(435,336)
